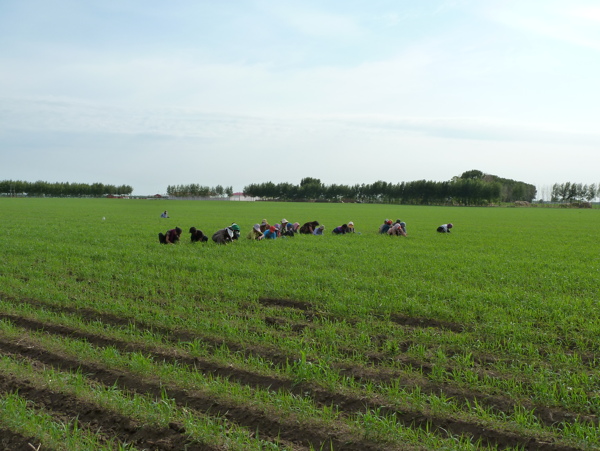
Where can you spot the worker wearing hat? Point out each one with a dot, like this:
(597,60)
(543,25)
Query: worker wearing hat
(271,233)
(226,235)
(264,225)
(236,231)
(385,226)
(287,228)
(319,230)
(255,233)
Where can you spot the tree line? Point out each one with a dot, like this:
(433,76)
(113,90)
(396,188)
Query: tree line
(470,188)
(196,190)
(574,192)
(62,189)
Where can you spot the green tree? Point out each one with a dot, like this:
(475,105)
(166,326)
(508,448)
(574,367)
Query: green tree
(473,174)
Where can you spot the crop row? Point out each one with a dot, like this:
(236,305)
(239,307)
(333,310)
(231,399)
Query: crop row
(400,395)
(420,348)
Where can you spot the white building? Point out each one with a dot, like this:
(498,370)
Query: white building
(242,197)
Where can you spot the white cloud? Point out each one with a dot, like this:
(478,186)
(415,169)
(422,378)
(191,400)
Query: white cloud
(588,13)
(552,20)
(437,89)
(65,116)
(314,22)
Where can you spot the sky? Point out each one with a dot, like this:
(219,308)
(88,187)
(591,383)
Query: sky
(150,93)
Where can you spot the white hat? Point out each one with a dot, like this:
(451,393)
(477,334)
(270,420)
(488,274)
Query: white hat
(284,221)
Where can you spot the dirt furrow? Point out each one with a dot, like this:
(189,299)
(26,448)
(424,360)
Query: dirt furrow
(272,429)
(322,397)
(202,365)
(106,425)
(11,441)
(278,358)
(403,320)
(588,358)
(275,356)
(548,416)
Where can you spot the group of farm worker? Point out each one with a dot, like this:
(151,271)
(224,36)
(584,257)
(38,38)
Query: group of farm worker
(265,231)
(222,236)
(398,228)
(258,232)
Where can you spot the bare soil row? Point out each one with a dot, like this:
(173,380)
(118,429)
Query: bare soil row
(270,427)
(107,425)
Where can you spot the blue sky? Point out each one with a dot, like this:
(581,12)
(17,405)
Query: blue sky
(153,93)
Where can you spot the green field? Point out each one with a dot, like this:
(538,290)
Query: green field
(484,338)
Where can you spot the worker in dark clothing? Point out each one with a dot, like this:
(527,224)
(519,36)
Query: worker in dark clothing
(197,235)
(171,237)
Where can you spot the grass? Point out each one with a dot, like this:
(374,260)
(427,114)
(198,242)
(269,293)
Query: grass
(22,418)
(495,324)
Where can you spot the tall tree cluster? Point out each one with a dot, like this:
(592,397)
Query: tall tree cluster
(196,190)
(574,192)
(61,189)
(471,188)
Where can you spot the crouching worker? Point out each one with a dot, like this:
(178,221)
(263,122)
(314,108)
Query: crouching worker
(236,231)
(445,228)
(402,224)
(223,236)
(287,228)
(340,230)
(387,225)
(271,233)
(319,230)
(171,237)
(197,235)
(255,233)
(396,230)
(309,227)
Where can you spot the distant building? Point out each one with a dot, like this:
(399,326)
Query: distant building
(117,196)
(242,197)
